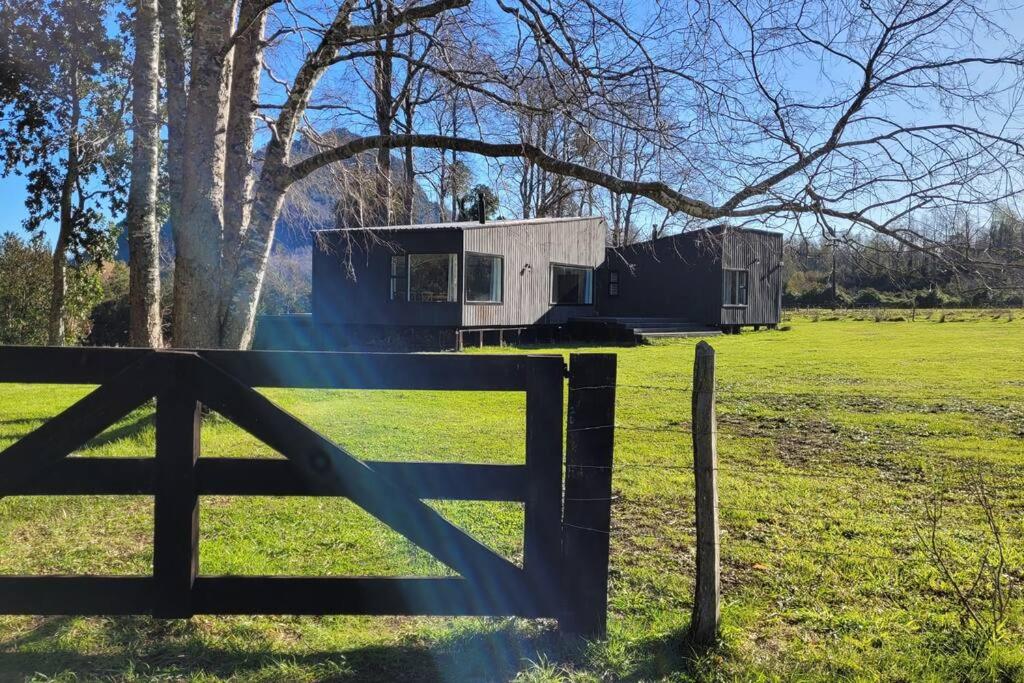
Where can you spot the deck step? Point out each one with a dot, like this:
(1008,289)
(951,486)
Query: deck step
(681,335)
(643,328)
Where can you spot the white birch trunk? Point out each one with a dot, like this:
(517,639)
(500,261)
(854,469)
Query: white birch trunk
(173,50)
(198,238)
(143,232)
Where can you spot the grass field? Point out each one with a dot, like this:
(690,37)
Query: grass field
(837,437)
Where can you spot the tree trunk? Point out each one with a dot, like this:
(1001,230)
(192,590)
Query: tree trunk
(173,49)
(244,294)
(143,232)
(384,114)
(247,62)
(409,191)
(58,278)
(59,281)
(198,239)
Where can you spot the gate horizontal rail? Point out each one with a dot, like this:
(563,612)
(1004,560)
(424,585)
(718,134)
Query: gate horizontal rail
(289,369)
(487,584)
(121,476)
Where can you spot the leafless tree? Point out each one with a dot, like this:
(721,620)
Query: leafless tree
(848,116)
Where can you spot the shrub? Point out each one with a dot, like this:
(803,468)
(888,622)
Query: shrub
(26,271)
(936,298)
(822,297)
(869,297)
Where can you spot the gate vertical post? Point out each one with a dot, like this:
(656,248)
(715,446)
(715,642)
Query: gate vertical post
(542,513)
(586,520)
(176,505)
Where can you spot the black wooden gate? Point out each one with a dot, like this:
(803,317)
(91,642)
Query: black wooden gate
(564,568)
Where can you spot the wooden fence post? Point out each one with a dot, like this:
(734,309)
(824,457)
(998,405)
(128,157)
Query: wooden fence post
(176,504)
(586,517)
(704,622)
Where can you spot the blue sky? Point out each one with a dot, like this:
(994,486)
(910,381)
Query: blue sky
(12,188)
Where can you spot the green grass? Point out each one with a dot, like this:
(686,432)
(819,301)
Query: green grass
(834,437)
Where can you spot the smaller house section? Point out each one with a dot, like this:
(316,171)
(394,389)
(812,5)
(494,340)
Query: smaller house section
(446,284)
(720,277)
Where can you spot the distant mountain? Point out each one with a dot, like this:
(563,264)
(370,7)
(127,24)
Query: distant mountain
(313,204)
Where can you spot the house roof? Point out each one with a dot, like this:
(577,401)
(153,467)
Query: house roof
(465,225)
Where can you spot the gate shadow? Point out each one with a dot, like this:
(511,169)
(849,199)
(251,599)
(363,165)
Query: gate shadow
(143,648)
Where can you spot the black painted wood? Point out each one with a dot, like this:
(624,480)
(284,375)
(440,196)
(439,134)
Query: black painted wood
(31,456)
(176,504)
(586,519)
(78,595)
(293,369)
(89,476)
(437,596)
(327,467)
(391,491)
(109,476)
(542,541)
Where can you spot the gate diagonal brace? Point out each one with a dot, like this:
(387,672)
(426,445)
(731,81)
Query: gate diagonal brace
(29,457)
(328,468)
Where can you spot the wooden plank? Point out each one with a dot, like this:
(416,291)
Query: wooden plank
(436,596)
(66,365)
(89,476)
(707,586)
(441,481)
(542,515)
(176,503)
(31,456)
(328,467)
(75,595)
(295,369)
(590,443)
(372,370)
(108,476)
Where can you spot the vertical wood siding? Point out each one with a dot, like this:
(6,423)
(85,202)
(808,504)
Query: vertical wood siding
(760,253)
(528,250)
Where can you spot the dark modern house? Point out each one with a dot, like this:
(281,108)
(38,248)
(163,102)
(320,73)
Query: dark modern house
(720,277)
(446,285)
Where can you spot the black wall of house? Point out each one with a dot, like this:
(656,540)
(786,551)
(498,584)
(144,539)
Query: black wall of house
(682,276)
(675,276)
(361,298)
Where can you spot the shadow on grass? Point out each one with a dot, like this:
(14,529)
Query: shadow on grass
(123,647)
(119,647)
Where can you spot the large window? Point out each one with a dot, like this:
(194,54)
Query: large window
(572,285)
(734,288)
(433,277)
(483,279)
(424,278)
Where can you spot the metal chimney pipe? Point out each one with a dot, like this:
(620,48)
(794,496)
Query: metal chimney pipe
(480,210)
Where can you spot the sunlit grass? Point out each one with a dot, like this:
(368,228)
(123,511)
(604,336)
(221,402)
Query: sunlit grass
(835,435)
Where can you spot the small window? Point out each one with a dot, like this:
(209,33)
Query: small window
(734,288)
(399,288)
(433,278)
(572,285)
(483,279)
(613,283)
